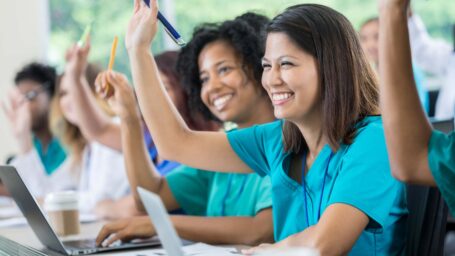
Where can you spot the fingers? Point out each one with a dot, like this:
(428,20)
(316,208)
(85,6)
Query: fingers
(118,81)
(123,235)
(153,9)
(256,249)
(137,5)
(109,229)
(7,111)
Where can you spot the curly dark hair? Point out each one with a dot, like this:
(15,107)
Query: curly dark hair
(40,73)
(245,34)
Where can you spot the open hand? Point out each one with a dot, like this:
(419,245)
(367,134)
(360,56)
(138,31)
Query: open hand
(19,115)
(142,26)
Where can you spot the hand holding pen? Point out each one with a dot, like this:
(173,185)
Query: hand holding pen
(142,26)
(170,30)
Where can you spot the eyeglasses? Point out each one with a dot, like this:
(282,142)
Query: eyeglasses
(32,94)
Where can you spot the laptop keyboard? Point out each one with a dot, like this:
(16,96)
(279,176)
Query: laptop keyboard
(11,248)
(81,244)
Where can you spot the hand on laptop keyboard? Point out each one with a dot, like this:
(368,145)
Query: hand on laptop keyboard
(125,230)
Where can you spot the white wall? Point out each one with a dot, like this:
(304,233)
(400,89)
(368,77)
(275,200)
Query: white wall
(24,36)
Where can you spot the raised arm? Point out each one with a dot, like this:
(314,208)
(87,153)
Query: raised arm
(140,169)
(406,127)
(174,140)
(95,124)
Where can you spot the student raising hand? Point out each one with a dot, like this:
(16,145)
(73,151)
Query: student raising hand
(123,102)
(142,26)
(401,4)
(76,61)
(20,119)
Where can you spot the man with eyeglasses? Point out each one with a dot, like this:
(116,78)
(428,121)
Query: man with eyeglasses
(28,112)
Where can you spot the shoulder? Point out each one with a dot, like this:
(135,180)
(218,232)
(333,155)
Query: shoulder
(369,139)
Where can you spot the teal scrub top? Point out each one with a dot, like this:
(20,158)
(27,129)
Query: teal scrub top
(358,175)
(214,194)
(441,158)
(54,156)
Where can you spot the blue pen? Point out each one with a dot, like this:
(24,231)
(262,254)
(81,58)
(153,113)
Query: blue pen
(170,30)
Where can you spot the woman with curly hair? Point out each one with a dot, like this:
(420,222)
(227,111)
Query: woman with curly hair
(220,68)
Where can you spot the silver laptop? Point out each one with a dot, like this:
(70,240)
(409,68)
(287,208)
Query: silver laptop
(443,125)
(43,230)
(164,228)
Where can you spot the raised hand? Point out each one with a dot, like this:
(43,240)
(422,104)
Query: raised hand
(125,230)
(142,26)
(123,102)
(76,61)
(19,116)
(400,4)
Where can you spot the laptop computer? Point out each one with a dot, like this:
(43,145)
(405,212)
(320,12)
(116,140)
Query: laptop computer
(443,125)
(170,241)
(43,230)
(163,225)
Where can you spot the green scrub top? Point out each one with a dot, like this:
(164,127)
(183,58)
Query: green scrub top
(214,194)
(441,158)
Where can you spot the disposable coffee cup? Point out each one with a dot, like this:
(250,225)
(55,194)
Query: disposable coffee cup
(63,212)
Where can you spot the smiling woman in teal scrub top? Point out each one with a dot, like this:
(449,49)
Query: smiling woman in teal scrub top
(221,67)
(331,183)
(417,153)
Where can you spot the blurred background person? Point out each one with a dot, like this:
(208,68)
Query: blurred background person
(437,57)
(99,171)
(369,38)
(40,152)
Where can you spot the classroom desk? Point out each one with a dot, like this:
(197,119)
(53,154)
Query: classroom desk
(25,236)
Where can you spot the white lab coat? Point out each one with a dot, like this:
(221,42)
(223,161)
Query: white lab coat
(436,57)
(101,176)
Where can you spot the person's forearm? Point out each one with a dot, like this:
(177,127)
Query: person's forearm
(155,104)
(93,122)
(140,169)
(406,126)
(172,137)
(223,230)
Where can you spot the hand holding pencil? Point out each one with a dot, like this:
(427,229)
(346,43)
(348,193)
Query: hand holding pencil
(105,90)
(77,59)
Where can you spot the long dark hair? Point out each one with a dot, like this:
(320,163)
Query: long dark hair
(349,89)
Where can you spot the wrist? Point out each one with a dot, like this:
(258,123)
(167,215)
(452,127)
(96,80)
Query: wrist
(25,142)
(393,8)
(138,51)
(130,118)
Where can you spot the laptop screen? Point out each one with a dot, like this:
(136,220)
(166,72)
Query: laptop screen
(445,126)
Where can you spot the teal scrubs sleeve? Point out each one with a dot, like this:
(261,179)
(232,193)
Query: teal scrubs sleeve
(441,158)
(250,144)
(365,181)
(190,188)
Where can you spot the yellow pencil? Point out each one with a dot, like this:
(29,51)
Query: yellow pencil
(106,91)
(113,51)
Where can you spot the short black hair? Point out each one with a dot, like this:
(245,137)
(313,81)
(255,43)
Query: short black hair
(41,73)
(245,33)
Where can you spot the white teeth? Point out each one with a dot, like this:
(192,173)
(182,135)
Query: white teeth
(281,96)
(220,102)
